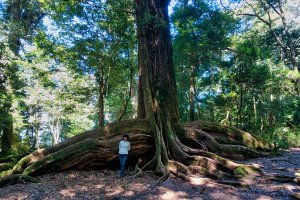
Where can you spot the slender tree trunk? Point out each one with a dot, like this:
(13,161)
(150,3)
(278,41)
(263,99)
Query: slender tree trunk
(55,128)
(297,80)
(130,87)
(254,110)
(192,93)
(261,124)
(55,137)
(227,119)
(101,97)
(7,127)
(212,114)
(36,137)
(198,108)
(240,105)
(7,135)
(27,134)
(271,117)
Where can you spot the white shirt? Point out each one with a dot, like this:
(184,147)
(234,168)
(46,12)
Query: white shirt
(124,147)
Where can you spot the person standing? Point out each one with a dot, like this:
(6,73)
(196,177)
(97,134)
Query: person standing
(124,147)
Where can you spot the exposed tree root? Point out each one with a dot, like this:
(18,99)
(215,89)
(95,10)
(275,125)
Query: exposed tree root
(229,135)
(98,149)
(225,150)
(92,149)
(163,178)
(137,171)
(295,195)
(285,179)
(6,158)
(234,183)
(6,166)
(14,178)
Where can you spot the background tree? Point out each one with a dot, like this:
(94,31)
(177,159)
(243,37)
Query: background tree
(20,20)
(100,41)
(273,16)
(202,33)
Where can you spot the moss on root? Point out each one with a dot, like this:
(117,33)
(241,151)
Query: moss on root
(246,170)
(6,166)
(230,135)
(91,149)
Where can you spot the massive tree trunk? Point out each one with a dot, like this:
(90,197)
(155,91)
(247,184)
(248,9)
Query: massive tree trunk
(157,79)
(158,97)
(157,136)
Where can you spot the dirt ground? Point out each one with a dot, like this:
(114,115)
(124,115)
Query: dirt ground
(106,185)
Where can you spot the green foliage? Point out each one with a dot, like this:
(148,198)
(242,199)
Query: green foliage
(286,137)
(54,93)
(240,172)
(202,33)
(56,79)
(242,78)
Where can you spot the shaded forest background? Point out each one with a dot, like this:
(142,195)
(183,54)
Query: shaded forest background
(71,66)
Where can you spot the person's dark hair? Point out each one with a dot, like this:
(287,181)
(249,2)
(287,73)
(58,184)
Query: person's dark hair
(126,135)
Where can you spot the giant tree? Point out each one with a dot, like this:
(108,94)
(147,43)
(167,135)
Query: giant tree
(158,131)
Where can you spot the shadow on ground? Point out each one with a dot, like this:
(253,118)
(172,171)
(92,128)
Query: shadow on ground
(105,185)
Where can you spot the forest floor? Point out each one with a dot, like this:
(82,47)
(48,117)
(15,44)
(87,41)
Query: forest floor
(105,185)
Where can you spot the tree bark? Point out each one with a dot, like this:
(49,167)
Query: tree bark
(158,99)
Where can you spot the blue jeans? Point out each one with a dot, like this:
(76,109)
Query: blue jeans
(123,158)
